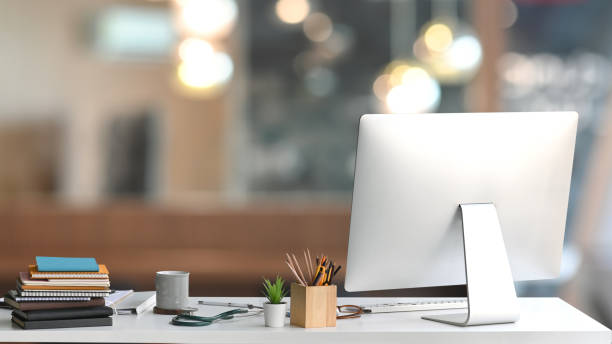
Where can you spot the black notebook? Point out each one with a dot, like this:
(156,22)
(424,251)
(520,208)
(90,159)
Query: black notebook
(65,323)
(64,313)
(30,306)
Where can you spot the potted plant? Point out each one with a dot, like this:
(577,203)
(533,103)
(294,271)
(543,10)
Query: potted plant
(275,309)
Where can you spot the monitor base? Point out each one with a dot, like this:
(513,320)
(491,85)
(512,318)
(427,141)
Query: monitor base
(458,319)
(490,287)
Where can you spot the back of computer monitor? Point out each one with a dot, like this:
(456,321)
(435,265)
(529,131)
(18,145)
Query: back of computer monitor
(413,171)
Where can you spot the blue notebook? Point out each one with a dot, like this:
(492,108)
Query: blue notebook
(66,264)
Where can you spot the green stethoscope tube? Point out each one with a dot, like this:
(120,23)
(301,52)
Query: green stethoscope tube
(194,320)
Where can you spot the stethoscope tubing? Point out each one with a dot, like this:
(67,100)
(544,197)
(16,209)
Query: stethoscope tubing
(194,320)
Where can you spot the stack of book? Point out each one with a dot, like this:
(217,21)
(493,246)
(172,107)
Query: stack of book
(61,292)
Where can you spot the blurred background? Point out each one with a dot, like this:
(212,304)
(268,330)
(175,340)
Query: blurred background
(213,136)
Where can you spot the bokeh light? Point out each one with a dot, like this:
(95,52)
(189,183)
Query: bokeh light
(407,88)
(341,40)
(204,71)
(452,53)
(465,54)
(438,37)
(320,81)
(292,11)
(195,49)
(397,73)
(208,18)
(318,27)
(509,14)
(518,71)
(381,86)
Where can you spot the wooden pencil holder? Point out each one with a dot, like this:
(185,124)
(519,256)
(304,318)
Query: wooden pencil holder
(313,306)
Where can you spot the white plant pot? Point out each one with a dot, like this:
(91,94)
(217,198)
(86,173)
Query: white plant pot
(274,314)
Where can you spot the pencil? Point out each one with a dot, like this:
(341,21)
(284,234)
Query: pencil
(297,264)
(296,275)
(307,266)
(310,262)
(292,267)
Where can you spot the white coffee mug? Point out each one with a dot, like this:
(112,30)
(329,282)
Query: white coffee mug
(172,289)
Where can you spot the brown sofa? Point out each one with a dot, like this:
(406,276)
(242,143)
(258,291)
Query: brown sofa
(227,251)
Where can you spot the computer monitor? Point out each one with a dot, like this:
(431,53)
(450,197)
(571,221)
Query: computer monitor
(472,198)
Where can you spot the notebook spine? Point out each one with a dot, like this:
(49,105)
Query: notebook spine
(60,276)
(56,293)
(50,299)
(55,284)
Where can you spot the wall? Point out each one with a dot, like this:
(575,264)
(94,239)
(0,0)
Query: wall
(48,73)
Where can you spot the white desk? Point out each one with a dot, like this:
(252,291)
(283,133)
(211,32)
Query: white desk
(543,320)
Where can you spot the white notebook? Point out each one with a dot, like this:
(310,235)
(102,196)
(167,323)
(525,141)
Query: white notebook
(116,296)
(136,303)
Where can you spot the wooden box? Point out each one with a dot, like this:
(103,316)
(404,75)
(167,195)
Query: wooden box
(313,306)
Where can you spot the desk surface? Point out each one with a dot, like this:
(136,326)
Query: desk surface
(543,320)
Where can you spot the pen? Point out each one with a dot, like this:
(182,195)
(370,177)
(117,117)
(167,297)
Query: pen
(320,277)
(229,304)
(326,275)
(330,270)
(337,269)
(325,271)
(320,273)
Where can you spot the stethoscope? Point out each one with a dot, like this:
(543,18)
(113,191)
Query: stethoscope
(194,320)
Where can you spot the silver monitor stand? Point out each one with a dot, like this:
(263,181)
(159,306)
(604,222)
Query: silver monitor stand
(490,287)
